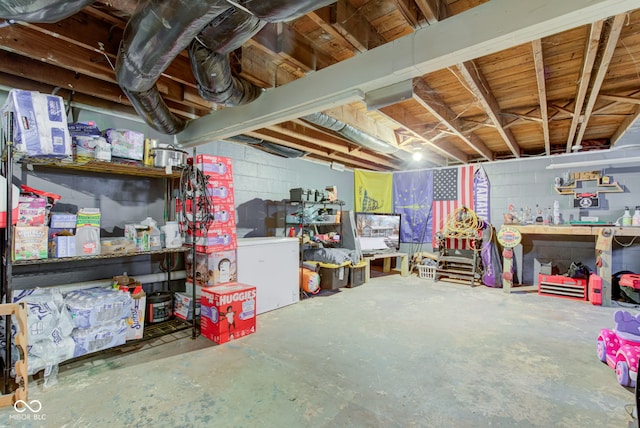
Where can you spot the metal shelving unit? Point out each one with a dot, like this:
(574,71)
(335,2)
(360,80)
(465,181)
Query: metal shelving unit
(129,169)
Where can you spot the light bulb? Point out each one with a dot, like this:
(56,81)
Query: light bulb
(417,156)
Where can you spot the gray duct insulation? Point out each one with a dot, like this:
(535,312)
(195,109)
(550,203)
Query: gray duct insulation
(350,133)
(209,54)
(277,149)
(47,11)
(160,29)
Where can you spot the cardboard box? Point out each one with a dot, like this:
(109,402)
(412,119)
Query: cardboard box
(228,312)
(214,240)
(216,167)
(63,246)
(63,221)
(135,320)
(223,214)
(31,211)
(212,269)
(40,123)
(220,192)
(183,306)
(30,242)
(188,286)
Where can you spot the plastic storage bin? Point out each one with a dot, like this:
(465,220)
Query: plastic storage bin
(427,272)
(357,274)
(333,276)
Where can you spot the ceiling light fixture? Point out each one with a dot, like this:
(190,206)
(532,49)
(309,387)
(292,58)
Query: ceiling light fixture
(417,156)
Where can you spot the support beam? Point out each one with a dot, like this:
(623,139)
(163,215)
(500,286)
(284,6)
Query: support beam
(491,27)
(433,10)
(354,27)
(625,126)
(619,99)
(538,60)
(427,97)
(479,87)
(612,38)
(591,51)
(405,119)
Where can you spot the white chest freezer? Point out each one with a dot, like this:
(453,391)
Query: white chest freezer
(271,265)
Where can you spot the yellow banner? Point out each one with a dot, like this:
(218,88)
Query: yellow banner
(373,191)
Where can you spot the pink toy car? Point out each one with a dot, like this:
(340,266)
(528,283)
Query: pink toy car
(620,347)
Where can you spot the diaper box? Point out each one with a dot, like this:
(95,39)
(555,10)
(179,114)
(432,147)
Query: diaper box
(228,312)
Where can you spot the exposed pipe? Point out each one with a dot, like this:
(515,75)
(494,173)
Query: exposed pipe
(46,11)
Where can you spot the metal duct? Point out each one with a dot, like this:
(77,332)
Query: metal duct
(351,133)
(156,33)
(276,149)
(47,11)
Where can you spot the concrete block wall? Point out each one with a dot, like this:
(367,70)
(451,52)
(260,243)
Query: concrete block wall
(527,182)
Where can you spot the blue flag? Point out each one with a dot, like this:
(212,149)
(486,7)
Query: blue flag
(412,198)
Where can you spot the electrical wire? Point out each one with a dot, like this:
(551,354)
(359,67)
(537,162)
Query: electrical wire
(193,189)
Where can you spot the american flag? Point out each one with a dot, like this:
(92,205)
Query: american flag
(452,188)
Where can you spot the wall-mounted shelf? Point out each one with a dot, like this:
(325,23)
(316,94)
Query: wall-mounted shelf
(604,185)
(114,167)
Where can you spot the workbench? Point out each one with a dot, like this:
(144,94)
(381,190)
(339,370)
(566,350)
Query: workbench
(603,247)
(386,266)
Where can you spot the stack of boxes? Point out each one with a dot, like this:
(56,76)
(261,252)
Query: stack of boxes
(216,246)
(228,309)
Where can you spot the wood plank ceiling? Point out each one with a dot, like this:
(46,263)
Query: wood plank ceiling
(573,91)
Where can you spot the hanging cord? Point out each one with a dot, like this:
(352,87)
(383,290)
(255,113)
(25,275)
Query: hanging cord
(623,244)
(193,187)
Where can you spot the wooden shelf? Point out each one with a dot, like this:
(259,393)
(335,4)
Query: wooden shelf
(119,167)
(98,257)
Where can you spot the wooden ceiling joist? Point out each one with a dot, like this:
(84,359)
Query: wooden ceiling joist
(406,120)
(428,98)
(538,61)
(591,51)
(479,87)
(612,36)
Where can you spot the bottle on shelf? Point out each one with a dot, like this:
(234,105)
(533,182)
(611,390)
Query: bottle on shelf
(635,220)
(155,243)
(626,217)
(556,212)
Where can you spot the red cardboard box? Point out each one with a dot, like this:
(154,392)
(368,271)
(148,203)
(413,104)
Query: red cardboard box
(223,214)
(220,192)
(227,311)
(216,238)
(212,269)
(216,167)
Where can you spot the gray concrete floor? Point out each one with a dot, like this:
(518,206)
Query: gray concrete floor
(395,352)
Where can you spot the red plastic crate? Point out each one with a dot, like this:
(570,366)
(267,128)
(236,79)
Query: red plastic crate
(562,286)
